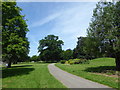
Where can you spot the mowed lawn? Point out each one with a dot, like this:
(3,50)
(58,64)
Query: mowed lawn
(29,76)
(99,70)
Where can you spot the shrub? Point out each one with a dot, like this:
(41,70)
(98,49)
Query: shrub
(81,61)
(62,61)
(78,61)
(71,62)
(66,62)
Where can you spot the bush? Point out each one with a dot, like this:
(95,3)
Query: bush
(78,61)
(71,62)
(66,62)
(62,61)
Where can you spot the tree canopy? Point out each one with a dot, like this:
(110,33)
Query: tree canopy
(15,45)
(67,54)
(79,51)
(34,58)
(104,31)
(50,48)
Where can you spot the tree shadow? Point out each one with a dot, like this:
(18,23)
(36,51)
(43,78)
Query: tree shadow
(101,69)
(15,71)
(22,66)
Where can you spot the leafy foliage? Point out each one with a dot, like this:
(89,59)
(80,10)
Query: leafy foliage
(34,58)
(77,61)
(15,45)
(67,54)
(62,61)
(50,48)
(104,31)
(80,50)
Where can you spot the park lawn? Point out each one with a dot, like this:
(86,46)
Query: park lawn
(95,71)
(29,76)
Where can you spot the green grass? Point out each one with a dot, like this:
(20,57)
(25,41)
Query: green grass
(90,71)
(29,76)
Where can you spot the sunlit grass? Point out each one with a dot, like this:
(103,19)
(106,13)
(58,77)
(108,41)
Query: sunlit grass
(29,76)
(94,71)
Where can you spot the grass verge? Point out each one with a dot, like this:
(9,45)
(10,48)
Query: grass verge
(98,70)
(29,76)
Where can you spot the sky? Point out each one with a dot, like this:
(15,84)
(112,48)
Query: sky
(68,20)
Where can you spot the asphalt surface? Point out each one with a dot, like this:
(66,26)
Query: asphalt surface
(73,81)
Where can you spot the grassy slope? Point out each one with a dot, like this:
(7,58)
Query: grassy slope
(29,76)
(88,71)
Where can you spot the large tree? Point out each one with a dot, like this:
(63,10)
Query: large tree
(78,52)
(50,48)
(15,45)
(81,50)
(104,30)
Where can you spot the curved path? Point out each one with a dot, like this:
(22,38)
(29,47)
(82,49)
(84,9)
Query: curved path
(72,81)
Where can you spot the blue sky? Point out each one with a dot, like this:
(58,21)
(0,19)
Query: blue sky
(68,20)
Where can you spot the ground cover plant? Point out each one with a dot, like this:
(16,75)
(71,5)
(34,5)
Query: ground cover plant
(100,70)
(32,75)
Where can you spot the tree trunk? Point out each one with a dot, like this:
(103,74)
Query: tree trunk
(9,65)
(117,60)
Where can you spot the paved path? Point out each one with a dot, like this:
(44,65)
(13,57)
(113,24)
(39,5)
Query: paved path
(72,81)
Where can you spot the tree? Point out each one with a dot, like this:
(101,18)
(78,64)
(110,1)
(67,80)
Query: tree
(66,55)
(50,48)
(80,50)
(34,58)
(104,30)
(91,48)
(15,45)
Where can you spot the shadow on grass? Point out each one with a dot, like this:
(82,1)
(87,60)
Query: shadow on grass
(100,69)
(15,71)
(22,66)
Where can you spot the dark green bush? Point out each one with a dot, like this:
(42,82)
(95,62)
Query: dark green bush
(62,61)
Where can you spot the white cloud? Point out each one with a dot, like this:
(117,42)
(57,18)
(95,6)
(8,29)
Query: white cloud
(45,20)
(33,45)
(69,23)
(72,24)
